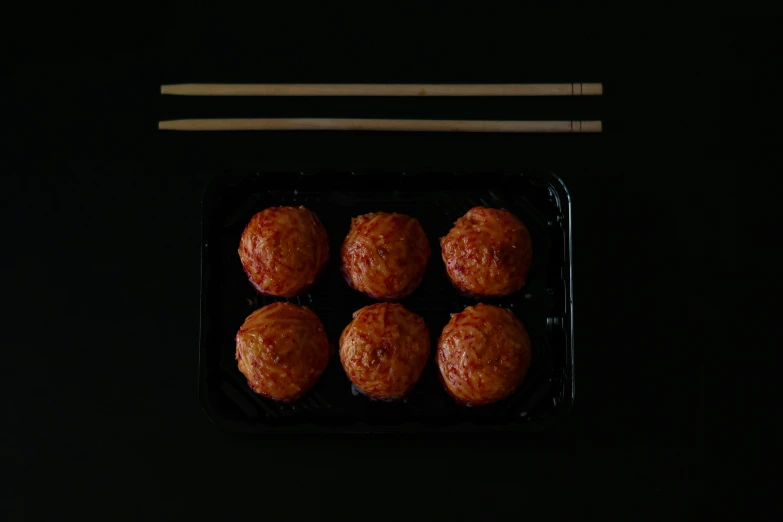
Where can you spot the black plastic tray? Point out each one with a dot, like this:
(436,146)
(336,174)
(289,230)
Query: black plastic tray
(545,304)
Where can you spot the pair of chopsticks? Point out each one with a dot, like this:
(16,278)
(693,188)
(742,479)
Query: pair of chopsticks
(218,124)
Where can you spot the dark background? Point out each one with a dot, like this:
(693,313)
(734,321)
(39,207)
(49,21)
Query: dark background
(100,235)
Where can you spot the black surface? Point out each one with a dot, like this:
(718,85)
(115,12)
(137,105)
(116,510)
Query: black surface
(436,200)
(100,255)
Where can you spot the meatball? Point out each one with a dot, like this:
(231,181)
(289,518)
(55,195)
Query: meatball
(283,250)
(282,349)
(483,354)
(385,255)
(487,253)
(384,350)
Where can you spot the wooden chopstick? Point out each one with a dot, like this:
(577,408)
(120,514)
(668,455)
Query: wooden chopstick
(499,89)
(352,124)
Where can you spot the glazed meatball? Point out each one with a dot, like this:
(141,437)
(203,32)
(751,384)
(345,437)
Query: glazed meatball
(385,255)
(384,350)
(284,250)
(487,253)
(282,349)
(483,354)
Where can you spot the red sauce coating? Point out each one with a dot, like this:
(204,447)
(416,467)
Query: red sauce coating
(483,354)
(282,349)
(384,350)
(283,250)
(385,255)
(488,252)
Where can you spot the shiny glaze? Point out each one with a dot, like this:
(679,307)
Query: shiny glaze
(283,250)
(487,253)
(483,354)
(282,349)
(385,255)
(384,350)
